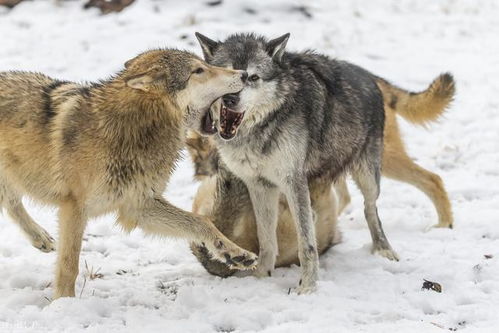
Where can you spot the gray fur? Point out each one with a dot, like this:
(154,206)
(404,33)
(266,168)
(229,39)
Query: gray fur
(307,117)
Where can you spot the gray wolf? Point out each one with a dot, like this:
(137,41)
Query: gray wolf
(303,117)
(108,147)
(327,202)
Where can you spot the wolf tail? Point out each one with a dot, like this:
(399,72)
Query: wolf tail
(423,107)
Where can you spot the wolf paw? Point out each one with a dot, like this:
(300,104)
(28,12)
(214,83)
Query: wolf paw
(43,241)
(441,225)
(262,272)
(259,273)
(234,256)
(266,264)
(386,252)
(305,288)
(242,274)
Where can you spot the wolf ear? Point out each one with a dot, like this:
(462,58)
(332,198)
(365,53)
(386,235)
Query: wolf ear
(130,62)
(275,47)
(140,82)
(207,45)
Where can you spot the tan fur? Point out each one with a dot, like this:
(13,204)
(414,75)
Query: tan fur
(396,165)
(107,147)
(419,108)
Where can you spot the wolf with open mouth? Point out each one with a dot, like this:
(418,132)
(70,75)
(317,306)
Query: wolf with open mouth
(301,116)
(228,119)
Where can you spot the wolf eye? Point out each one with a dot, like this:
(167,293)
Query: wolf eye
(254,78)
(198,70)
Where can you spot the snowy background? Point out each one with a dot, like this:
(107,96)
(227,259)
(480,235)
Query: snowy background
(157,285)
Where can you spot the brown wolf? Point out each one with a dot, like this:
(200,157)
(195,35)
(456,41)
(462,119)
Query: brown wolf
(108,147)
(239,222)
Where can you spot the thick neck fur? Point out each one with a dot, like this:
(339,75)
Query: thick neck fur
(129,117)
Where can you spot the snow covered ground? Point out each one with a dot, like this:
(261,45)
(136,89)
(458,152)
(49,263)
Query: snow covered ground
(157,285)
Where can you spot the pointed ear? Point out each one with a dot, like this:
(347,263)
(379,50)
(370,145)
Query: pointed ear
(129,63)
(140,82)
(275,47)
(207,45)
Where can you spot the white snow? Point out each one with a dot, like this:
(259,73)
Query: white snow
(157,285)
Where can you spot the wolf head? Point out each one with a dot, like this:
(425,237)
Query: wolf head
(265,90)
(190,83)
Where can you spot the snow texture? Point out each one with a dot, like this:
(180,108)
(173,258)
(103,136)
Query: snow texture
(153,285)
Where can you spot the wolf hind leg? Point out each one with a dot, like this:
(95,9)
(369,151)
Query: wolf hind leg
(400,167)
(367,177)
(12,203)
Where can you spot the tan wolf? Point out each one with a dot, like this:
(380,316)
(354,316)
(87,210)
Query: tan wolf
(238,223)
(108,147)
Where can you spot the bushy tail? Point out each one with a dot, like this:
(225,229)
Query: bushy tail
(423,107)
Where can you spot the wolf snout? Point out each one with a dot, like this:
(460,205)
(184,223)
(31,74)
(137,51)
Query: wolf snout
(231,100)
(244,76)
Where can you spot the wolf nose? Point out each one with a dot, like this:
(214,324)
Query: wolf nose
(230,100)
(244,76)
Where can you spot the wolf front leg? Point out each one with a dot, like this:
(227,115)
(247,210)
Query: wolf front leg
(159,217)
(297,193)
(231,203)
(72,222)
(265,199)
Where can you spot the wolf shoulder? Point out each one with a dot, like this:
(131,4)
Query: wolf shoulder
(345,82)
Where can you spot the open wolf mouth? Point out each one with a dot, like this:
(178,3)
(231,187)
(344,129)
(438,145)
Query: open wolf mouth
(230,119)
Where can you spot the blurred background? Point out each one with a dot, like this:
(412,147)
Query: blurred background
(56,35)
